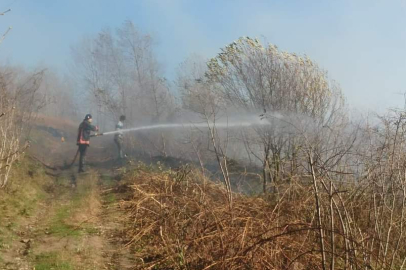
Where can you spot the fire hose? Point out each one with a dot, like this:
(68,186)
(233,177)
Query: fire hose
(77,152)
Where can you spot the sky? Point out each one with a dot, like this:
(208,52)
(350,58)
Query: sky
(361,43)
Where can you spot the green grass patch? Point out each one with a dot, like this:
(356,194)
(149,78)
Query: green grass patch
(110,198)
(62,229)
(107,180)
(58,225)
(91,230)
(51,261)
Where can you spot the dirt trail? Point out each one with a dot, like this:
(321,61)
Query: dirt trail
(74,228)
(71,226)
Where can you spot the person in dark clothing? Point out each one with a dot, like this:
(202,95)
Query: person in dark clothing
(118,138)
(83,140)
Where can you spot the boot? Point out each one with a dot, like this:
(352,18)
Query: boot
(82,165)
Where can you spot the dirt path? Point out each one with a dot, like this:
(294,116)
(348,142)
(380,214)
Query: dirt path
(72,228)
(46,223)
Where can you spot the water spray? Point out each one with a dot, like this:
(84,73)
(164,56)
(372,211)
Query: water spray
(230,124)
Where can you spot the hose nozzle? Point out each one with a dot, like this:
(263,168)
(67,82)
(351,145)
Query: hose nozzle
(96,135)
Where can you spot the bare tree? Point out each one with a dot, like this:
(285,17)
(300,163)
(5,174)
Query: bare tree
(19,102)
(119,74)
(199,97)
(264,80)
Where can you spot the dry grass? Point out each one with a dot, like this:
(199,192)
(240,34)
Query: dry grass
(175,222)
(179,220)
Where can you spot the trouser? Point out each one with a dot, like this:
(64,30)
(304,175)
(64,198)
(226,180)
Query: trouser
(82,157)
(119,143)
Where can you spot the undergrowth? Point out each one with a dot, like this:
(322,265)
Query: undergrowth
(177,219)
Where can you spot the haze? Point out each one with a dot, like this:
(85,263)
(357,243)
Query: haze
(362,44)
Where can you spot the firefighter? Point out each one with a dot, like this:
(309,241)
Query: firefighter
(118,137)
(83,141)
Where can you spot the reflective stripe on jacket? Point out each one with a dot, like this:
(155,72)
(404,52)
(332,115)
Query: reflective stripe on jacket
(85,128)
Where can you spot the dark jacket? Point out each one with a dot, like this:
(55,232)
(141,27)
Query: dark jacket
(85,128)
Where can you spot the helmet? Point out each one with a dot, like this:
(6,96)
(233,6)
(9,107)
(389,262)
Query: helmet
(88,116)
(122,118)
